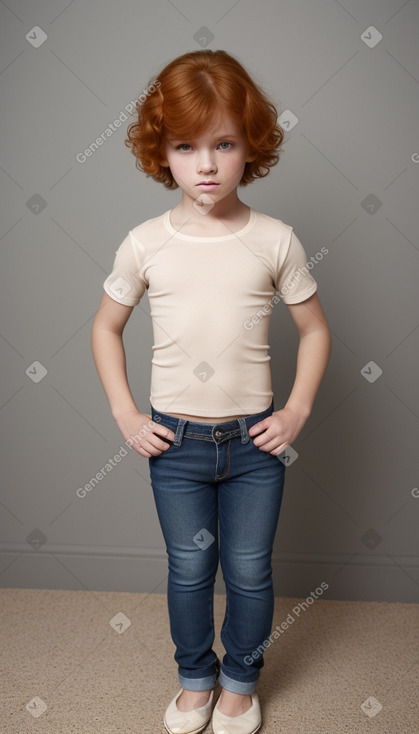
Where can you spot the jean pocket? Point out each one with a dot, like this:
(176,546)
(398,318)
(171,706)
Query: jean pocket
(170,450)
(261,451)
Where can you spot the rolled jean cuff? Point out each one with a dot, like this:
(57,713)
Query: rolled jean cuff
(198,684)
(236,686)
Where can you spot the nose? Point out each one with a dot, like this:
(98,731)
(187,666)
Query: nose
(206,162)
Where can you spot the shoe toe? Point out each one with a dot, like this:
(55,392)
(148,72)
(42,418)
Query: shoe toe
(247,723)
(187,722)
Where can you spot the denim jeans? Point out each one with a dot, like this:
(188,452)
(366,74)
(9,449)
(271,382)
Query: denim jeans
(218,497)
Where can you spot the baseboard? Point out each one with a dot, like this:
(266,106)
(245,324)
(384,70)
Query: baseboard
(357,577)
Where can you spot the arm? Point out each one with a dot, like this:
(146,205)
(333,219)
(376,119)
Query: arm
(283,426)
(313,353)
(109,354)
(110,361)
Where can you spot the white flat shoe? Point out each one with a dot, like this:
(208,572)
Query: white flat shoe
(187,722)
(247,723)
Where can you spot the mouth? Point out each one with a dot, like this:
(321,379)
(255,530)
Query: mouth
(208,184)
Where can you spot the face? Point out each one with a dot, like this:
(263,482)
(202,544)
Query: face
(219,156)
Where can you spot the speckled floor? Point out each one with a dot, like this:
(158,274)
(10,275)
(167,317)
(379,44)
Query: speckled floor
(95,662)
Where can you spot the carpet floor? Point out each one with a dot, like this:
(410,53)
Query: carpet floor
(97,662)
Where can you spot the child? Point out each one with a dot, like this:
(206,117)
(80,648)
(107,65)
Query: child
(211,266)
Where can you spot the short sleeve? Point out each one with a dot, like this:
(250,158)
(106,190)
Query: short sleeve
(294,281)
(126,283)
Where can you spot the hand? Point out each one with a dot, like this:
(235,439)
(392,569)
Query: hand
(143,434)
(276,432)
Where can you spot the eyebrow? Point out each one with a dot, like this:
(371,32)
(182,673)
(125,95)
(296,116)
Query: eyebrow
(218,137)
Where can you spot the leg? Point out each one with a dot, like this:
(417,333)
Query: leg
(187,509)
(249,505)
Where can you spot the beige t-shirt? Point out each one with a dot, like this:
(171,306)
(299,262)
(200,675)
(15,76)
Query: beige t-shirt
(210,301)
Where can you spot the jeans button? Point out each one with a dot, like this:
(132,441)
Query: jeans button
(218,433)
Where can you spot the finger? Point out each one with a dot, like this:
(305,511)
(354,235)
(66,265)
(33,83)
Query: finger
(155,443)
(151,450)
(151,446)
(167,443)
(139,448)
(165,432)
(272,445)
(258,427)
(263,438)
(280,449)
(157,446)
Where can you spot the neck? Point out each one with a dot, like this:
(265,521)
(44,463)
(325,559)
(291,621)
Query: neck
(227,209)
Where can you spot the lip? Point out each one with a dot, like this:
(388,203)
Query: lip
(208,185)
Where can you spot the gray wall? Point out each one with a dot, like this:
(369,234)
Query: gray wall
(347,180)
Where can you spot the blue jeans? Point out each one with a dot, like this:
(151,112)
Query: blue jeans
(210,473)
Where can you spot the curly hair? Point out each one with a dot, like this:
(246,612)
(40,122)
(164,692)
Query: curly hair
(189,91)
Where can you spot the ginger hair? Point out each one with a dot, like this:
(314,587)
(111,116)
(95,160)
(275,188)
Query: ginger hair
(185,98)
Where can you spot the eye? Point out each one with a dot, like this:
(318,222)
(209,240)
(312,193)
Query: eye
(182,145)
(225,143)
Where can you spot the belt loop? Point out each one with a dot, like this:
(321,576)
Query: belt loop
(179,431)
(245,438)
